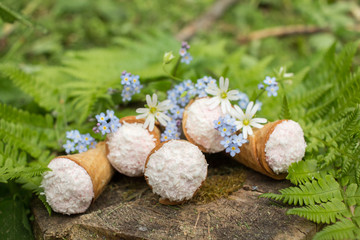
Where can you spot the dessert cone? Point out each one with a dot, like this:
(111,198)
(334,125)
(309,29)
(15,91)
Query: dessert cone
(162,200)
(185,115)
(185,130)
(155,132)
(252,154)
(96,164)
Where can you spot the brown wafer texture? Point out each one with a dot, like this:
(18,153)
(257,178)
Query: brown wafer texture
(252,154)
(96,164)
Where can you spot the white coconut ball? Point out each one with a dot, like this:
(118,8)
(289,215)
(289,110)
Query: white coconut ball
(68,187)
(200,125)
(176,170)
(286,145)
(129,147)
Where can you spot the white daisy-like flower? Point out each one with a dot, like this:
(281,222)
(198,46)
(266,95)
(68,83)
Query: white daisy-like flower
(154,111)
(222,96)
(246,121)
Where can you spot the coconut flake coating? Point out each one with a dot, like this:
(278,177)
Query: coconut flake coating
(129,147)
(286,145)
(176,170)
(200,125)
(68,187)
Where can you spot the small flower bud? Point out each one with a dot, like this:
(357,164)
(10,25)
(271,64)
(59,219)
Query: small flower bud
(168,57)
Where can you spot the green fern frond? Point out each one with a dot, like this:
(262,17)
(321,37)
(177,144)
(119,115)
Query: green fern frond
(304,171)
(23,172)
(343,229)
(303,98)
(324,213)
(309,193)
(26,139)
(43,92)
(352,194)
(11,114)
(285,111)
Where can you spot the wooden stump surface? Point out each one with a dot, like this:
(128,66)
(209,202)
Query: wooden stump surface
(127,209)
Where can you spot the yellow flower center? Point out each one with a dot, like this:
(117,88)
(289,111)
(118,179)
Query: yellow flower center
(246,122)
(153,110)
(223,95)
(232,148)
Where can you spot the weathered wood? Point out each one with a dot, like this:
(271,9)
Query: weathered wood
(128,209)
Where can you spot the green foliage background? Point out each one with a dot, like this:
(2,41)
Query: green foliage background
(59,58)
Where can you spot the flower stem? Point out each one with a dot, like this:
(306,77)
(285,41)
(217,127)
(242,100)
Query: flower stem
(259,95)
(170,75)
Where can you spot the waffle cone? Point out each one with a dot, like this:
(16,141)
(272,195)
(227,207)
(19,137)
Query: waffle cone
(166,201)
(252,154)
(96,164)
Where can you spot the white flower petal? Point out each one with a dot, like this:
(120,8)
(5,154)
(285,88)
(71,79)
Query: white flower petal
(144,115)
(161,119)
(221,83)
(244,132)
(164,105)
(254,110)
(248,109)
(227,105)
(233,95)
(152,124)
(249,130)
(226,85)
(259,120)
(256,125)
(148,100)
(212,89)
(147,120)
(213,102)
(223,107)
(239,114)
(239,125)
(142,110)
(154,99)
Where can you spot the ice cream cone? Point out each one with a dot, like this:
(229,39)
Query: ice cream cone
(96,164)
(256,154)
(129,146)
(198,125)
(200,166)
(77,180)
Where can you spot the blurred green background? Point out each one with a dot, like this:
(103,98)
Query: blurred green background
(63,26)
(59,61)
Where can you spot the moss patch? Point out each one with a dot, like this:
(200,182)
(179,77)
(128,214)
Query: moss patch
(224,177)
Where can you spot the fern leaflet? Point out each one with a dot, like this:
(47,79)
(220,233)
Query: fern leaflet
(316,191)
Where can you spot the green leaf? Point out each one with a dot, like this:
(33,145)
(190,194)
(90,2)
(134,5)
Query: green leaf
(352,195)
(324,213)
(10,16)
(309,193)
(285,111)
(14,224)
(303,171)
(344,229)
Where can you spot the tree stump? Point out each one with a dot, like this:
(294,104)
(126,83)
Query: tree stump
(127,209)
